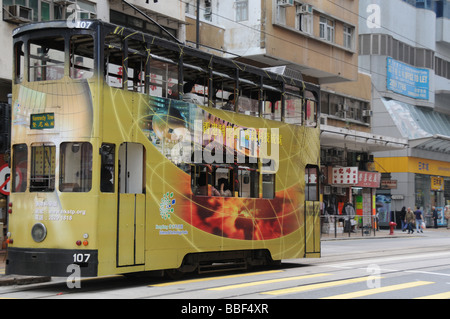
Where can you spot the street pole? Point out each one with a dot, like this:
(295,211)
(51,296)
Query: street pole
(197,26)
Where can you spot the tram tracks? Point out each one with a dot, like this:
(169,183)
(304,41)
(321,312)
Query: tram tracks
(391,263)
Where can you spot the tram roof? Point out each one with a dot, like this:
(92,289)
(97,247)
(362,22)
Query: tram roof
(223,67)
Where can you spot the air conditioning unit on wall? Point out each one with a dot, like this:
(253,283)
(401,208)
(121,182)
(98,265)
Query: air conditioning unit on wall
(64,2)
(285,3)
(306,8)
(17,14)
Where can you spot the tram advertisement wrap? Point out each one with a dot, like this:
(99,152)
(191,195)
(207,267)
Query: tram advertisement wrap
(190,135)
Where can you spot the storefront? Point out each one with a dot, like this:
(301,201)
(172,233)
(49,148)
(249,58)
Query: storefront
(349,185)
(422,183)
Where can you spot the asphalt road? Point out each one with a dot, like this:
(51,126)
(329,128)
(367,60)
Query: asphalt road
(404,267)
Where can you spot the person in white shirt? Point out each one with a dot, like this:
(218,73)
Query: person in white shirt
(189,94)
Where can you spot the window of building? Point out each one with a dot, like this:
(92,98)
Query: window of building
(336,105)
(381,44)
(442,67)
(324,102)
(304,18)
(87,10)
(424,58)
(281,15)
(75,167)
(190,8)
(120,18)
(207,14)
(46,10)
(345,108)
(241,10)
(42,175)
(19,168)
(348,37)
(326,29)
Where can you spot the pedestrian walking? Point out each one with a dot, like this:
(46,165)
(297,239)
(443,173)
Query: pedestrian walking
(434,216)
(409,220)
(402,218)
(419,219)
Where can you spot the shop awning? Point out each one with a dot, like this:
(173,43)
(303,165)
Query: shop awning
(435,143)
(424,128)
(331,136)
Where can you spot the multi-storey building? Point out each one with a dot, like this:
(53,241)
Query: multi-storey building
(405,46)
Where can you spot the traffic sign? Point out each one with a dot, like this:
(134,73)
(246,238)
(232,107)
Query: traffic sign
(5,179)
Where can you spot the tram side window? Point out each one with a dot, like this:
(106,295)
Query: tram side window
(248,180)
(293,109)
(199,180)
(19,168)
(75,167)
(42,175)
(311,183)
(268,178)
(272,110)
(113,55)
(137,59)
(19,62)
(248,105)
(271,105)
(223,181)
(108,152)
(81,56)
(46,59)
(225,97)
(163,79)
(310,109)
(311,113)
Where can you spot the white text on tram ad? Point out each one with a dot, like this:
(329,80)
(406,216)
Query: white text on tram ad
(49,210)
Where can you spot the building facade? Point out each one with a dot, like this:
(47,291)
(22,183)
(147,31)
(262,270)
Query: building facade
(404,45)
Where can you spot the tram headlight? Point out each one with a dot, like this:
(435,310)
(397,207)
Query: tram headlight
(38,232)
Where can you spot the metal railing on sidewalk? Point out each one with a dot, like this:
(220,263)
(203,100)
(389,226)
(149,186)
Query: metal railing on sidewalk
(334,226)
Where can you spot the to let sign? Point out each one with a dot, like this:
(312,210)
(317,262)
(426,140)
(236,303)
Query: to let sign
(42,121)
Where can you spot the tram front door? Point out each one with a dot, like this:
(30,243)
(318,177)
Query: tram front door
(131,205)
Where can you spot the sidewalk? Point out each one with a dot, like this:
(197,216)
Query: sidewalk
(384,233)
(6,280)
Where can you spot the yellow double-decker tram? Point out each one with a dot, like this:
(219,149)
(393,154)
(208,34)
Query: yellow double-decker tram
(133,153)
